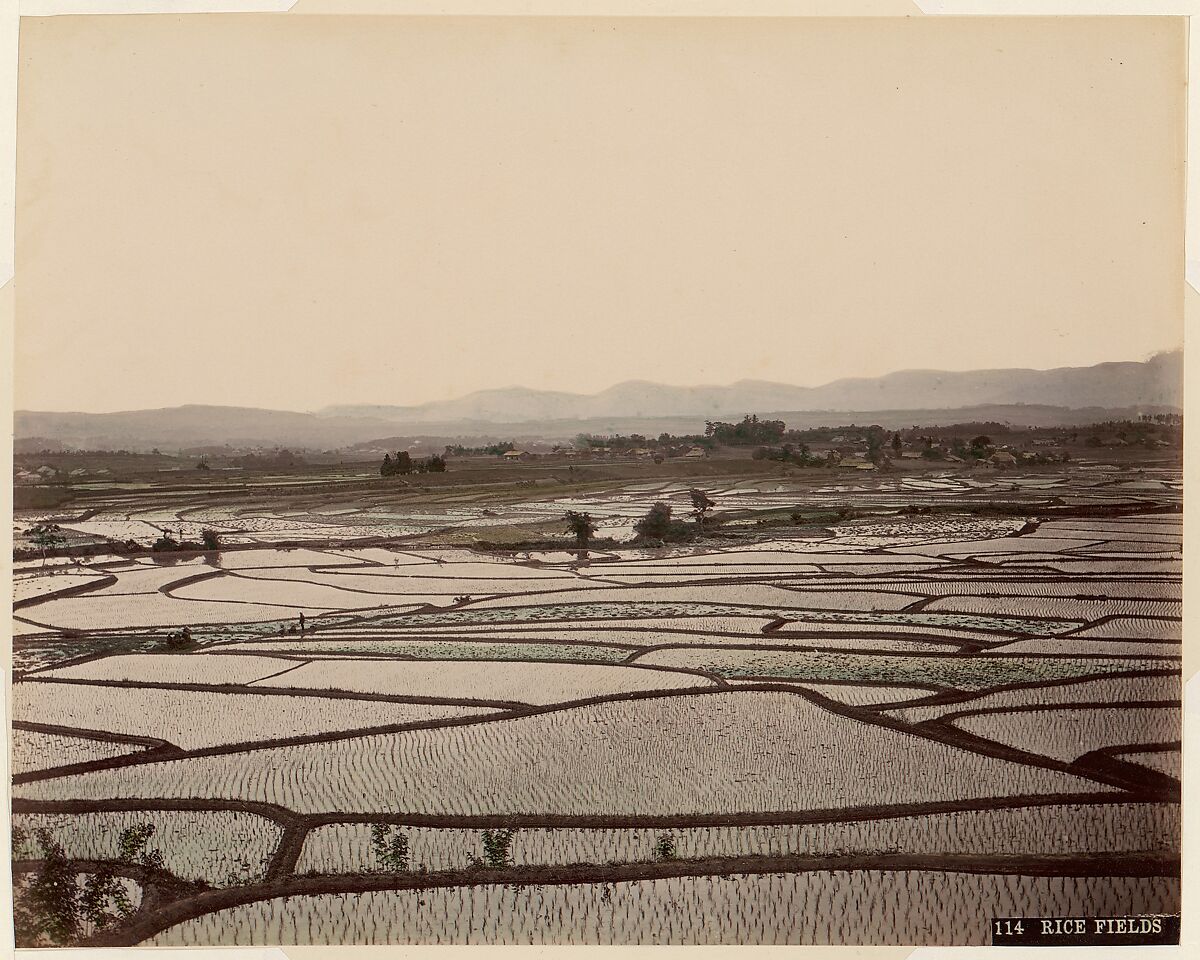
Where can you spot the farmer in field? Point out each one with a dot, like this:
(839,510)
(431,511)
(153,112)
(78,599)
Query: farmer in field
(301,622)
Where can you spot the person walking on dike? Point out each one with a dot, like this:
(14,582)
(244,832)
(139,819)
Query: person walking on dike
(302,621)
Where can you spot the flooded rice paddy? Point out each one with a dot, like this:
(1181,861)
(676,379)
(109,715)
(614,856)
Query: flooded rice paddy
(854,728)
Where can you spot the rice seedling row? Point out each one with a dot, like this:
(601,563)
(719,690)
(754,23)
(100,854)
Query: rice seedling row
(1047,829)
(35,750)
(818,907)
(193,719)
(675,755)
(216,847)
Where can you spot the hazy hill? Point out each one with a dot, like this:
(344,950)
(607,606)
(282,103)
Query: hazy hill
(1064,396)
(195,425)
(1127,384)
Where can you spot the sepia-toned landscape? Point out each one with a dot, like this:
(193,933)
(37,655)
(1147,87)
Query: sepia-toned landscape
(631,480)
(308,704)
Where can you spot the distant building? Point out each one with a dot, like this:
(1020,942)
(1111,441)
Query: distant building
(1003,459)
(697,453)
(518,455)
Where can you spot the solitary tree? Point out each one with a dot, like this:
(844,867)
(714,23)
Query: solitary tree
(386,469)
(47,536)
(656,524)
(874,448)
(581,527)
(897,444)
(701,504)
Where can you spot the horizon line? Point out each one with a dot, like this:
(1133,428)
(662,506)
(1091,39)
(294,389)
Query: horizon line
(597,393)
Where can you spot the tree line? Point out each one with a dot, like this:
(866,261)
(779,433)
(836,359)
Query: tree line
(403,464)
(490,450)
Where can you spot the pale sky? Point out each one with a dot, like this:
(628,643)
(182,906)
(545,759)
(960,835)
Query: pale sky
(291,212)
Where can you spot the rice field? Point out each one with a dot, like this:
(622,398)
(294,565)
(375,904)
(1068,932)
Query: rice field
(195,719)
(1083,647)
(433,689)
(1134,628)
(434,648)
(960,673)
(1059,608)
(863,907)
(1167,762)
(858,695)
(536,683)
(171,668)
(33,750)
(1114,690)
(37,584)
(750,623)
(298,594)
(116,611)
(1053,829)
(534,613)
(670,755)
(219,847)
(1068,733)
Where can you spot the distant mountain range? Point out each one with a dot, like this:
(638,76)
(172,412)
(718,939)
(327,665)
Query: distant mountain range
(1156,382)
(1060,396)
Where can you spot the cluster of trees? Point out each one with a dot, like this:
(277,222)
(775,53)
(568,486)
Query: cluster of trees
(657,525)
(282,459)
(664,442)
(404,464)
(880,448)
(979,447)
(1144,431)
(209,540)
(491,450)
(749,431)
(46,537)
(49,538)
(800,456)
(52,908)
(961,438)
(1165,419)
